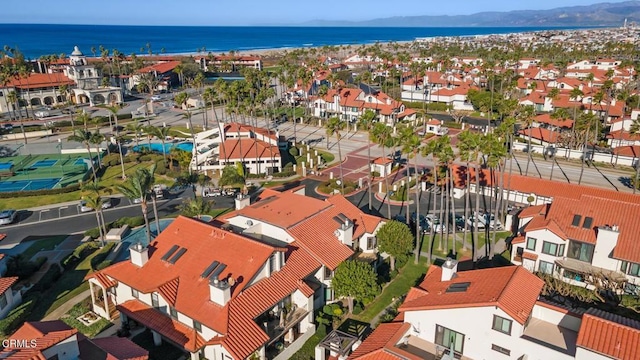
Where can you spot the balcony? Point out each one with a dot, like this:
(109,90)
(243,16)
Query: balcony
(551,336)
(425,349)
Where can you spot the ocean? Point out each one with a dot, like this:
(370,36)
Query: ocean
(35,40)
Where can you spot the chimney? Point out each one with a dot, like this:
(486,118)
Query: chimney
(139,254)
(345,232)
(388,101)
(606,241)
(219,291)
(449,269)
(242,201)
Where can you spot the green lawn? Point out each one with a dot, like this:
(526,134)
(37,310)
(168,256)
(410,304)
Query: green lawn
(459,250)
(42,244)
(408,277)
(81,308)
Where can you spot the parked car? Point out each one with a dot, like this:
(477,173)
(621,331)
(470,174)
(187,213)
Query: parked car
(106,203)
(7,127)
(459,221)
(136,200)
(231,192)
(41,114)
(7,217)
(158,191)
(472,221)
(155,98)
(492,221)
(83,207)
(211,192)
(434,222)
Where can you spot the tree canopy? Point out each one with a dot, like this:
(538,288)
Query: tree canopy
(230,176)
(395,239)
(355,280)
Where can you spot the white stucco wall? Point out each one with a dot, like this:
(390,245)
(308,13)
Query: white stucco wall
(67,349)
(584,354)
(556,317)
(541,236)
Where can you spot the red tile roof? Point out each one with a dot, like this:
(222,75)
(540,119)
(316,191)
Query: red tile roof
(603,212)
(610,335)
(45,333)
(162,324)
(160,68)
(630,151)
(512,288)
(372,348)
(548,119)
(6,283)
(533,210)
(530,255)
(622,135)
(382,160)
(542,134)
(180,283)
(37,80)
(236,149)
(121,348)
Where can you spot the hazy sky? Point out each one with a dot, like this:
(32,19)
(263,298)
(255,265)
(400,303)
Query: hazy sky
(248,12)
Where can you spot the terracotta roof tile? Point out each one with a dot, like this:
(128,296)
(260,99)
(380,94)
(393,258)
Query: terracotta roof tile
(7,282)
(160,68)
(46,334)
(182,279)
(377,341)
(121,348)
(513,288)
(161,323)
(236,149)
(37,80)
(542,134)
(533,210)
(530,255)
(609,334)
(548,119)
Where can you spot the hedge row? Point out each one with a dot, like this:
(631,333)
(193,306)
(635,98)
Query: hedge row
(101,256)
(78,255)
(16,317)
(64,190)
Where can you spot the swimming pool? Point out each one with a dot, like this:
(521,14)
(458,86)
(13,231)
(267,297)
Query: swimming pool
(157,147)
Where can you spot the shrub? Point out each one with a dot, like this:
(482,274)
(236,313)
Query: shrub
(131,157)
(375,173)
(103,265)
(357,308)
(101,256)
(16,317)
(161,170)
(49,278)
(64,190)
(22,267)
(145,157)
(256,176)
(125,116)
(294,151)
(284,174)
(111,159)
(288,167)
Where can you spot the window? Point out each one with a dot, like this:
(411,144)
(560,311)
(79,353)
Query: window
(531,244)
(135,293)
(500,349)
(588,222)
(501,324)
(371,242)
(327,273)
(580,251)
(197,325)
(173,312)
(623,267)
(3,300)
(446,337)
(328,294)
(549,248)
(634,270)
(561,250)
(273,263)
(545,267)
(154,300)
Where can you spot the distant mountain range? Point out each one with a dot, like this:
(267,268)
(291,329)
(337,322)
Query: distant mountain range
(603,14)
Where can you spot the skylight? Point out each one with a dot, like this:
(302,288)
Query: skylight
(205,274)
(588,222)
(576,220)
(169,253)
(177,256)
(458,287)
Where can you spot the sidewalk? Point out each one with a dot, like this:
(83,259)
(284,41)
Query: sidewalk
(64,308)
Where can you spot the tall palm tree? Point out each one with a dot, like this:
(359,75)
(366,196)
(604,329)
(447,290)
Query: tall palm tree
(525,116)
(154,203)
(381,135)
(468,147)
(13,98)
(182,99)
(161,132)
(138,186)
(137,128)
(113,112)
(334,127)
(493,148)
(412,145)
(95,202)
(445,157)
(586,122)
(85,138)
(405,135)
(432,149)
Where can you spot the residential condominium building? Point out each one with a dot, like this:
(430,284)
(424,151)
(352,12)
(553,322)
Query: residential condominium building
(495,313)
(247,286)
(581,239)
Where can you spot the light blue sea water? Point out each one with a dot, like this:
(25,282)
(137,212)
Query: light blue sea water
(35,40)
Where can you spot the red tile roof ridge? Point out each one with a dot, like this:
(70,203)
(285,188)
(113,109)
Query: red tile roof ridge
(121,348)
(533,210)
(602,333)
(7,282)
(378,339)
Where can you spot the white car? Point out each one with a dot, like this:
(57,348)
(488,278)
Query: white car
(106,203)
(41,114)
(7,217)
(471,221)
(155,98)
(434,223)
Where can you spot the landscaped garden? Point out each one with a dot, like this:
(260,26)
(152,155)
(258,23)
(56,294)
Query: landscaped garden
(41,244)
(334,186)
(96,324)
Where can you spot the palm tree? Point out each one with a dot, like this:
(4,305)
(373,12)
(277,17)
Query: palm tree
(182,99)
(95,202)
(152,174)
(333,127)
(432,149)
(137,128)
(493,148)
(195,207)
(161,132)
(138,186)
(405,136)
(381,135)
(13,98)
(586,121)
(525,116)
(113,112)
(445,157)
(95,188)
(85,138)
(412,146)
(468,146)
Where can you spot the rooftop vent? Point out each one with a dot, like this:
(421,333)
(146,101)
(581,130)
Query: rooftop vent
(169,253)
(177,256)
(458,287)
(576,220)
